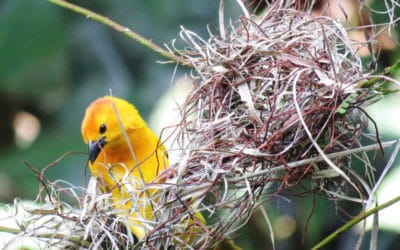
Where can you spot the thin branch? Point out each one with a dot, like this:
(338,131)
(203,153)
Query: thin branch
(122,29)
(354,221)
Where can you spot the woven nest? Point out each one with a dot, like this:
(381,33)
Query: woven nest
(278,100)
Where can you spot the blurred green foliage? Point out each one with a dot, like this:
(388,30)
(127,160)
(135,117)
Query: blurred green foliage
(53,63)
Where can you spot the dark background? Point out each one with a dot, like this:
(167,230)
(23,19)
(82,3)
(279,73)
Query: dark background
(54,62)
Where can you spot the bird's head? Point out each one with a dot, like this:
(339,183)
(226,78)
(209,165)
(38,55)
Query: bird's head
(103,123)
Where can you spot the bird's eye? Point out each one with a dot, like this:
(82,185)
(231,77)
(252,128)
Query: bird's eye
(103,128)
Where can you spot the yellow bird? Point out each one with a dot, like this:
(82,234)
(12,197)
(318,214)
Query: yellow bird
(125,155)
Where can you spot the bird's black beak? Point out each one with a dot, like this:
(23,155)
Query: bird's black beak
(95,148)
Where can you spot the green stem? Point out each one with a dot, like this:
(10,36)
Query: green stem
(354,221)
(124,30)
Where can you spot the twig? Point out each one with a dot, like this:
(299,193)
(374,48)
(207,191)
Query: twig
(354,221)
(120,28)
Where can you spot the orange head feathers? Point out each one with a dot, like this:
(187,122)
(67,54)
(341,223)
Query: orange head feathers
(101,123)
(116,134)
(101,118)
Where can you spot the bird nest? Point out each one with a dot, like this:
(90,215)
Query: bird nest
(278,101)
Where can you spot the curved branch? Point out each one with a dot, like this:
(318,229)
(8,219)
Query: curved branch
(354,221)
(122,29)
